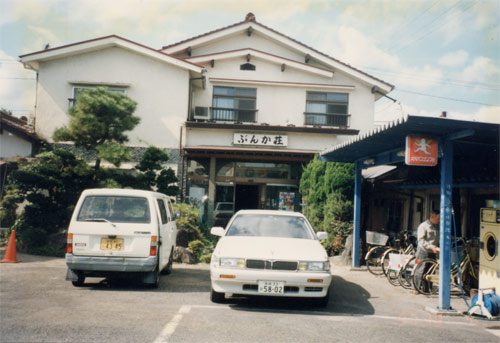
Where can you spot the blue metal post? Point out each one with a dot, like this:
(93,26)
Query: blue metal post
(357,215)
(445,224)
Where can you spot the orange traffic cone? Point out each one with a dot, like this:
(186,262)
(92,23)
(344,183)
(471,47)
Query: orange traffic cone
(10,255)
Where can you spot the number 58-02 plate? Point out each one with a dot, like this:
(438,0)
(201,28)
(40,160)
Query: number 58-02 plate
(271,287)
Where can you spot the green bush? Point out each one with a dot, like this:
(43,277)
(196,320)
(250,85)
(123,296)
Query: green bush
(48,187)
(188,225)
(327,189)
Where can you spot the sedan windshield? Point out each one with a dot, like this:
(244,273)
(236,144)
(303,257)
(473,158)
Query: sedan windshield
(262,225)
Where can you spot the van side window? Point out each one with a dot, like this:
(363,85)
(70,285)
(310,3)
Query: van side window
(170,209)
(163,211)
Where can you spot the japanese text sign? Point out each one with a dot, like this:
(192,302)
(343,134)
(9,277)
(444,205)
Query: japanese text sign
(421,151)
(259,139)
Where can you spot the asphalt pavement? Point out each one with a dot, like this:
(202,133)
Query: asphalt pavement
(38,305)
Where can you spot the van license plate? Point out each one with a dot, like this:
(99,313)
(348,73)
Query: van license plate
(271,287)
(112,244)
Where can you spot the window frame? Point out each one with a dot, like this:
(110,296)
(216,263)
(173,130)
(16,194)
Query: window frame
(234,113)
(109,88)
(328,118)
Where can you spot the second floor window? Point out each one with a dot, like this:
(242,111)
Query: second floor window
(234,104)
(79,89)
(327,109)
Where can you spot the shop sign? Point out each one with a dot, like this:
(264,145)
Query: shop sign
(287,201)
(259,139)
(421,151)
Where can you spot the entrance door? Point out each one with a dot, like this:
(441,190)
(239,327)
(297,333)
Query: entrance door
(246,197)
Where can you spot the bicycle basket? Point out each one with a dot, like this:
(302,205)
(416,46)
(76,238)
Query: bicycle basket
(376,238)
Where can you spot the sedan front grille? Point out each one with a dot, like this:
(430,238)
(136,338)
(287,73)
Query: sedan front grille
(271,265)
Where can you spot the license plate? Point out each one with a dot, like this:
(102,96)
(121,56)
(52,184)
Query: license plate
(271,287)
(112,244)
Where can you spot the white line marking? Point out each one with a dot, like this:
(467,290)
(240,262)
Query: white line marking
(495,332)
(171,326)
(344,316)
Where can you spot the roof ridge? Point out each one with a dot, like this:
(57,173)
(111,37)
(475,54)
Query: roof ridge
(107,37)
(251,18)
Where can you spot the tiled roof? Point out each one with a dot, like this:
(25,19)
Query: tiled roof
(17,124)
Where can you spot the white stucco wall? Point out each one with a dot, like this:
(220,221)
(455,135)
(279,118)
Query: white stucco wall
(160,89)
(242,41)
(285,104)
(12,145)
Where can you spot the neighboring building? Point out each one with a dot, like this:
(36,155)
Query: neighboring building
(17,138)
(247,105)
(17,141)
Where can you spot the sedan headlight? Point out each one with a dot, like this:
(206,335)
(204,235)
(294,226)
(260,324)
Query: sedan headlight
(314,266)
(232,262)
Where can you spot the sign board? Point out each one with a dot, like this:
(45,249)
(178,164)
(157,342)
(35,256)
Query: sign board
(287,201)
(260,139)
(421,151)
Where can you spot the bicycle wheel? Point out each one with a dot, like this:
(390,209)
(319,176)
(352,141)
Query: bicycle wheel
(426,277)
(405,274)
(386,261)
(374,260)
(392,277)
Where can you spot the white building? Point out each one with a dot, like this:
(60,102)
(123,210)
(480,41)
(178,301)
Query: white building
(247,105)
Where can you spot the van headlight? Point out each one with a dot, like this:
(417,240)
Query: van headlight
(232,262)
(305,266)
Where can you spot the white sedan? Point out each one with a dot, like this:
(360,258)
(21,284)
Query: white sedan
(270,253)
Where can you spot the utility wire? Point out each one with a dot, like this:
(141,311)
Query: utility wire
(446,81)
(446,98)
(435,28)
(400,29)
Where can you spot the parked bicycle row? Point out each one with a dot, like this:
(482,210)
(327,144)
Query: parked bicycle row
(397,261)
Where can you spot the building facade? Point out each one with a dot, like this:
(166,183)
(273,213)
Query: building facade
(246,106)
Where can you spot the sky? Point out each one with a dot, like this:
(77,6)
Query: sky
(441,55)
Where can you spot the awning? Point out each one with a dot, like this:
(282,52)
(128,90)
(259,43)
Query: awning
(393,135)
(202,151)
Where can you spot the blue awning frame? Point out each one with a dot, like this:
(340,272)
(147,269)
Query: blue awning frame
(386,145)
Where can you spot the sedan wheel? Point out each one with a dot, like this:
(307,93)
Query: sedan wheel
(323,302)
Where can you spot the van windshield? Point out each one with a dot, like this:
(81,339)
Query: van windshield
(120,209)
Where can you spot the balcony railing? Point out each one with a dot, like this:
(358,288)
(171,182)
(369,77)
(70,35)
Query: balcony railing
(233,115)
(322,119)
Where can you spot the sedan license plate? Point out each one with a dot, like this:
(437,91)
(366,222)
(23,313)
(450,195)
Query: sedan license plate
(112,244)
(271,287)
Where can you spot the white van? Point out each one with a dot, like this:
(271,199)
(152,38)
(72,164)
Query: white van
(121,231)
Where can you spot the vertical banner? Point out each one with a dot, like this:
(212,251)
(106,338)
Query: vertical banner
(421,151)
(287,201)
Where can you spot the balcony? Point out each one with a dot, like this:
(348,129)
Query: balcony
(233,115)
(322,119)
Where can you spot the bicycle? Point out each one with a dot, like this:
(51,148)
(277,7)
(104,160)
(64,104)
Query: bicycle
(377,258)
(426,274)
(393,272)
(373,257)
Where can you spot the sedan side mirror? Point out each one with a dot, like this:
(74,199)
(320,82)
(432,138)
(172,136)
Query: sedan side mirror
(217,231)
(322,235)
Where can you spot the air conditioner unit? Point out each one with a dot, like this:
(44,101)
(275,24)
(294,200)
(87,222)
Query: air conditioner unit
(201,113)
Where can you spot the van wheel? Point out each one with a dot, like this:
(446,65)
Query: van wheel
(156,276)
(217,297)
(80,281)
(168,268)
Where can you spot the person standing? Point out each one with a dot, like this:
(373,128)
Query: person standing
(428,237)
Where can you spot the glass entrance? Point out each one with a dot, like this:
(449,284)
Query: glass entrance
(246,197)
